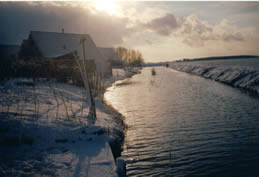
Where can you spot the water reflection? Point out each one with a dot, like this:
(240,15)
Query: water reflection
(184,125)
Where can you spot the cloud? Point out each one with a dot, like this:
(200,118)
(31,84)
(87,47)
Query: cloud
(149,42)
(192,24)
(164,25)
(192,30)
(17,19)
(196,32)
(233,37)
(146,26)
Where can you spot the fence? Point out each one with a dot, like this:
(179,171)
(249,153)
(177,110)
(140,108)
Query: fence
(59,70)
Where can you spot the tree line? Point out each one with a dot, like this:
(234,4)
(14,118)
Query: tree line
(130,57)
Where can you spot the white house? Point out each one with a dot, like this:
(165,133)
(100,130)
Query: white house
(55,45)
(110,56)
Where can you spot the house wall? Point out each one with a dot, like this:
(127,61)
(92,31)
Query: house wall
(106,67)
(28,49)
(62,45)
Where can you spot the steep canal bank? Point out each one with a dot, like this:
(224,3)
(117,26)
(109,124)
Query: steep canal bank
(242,73)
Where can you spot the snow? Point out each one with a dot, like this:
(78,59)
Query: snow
(237,76)
(45,131)
(86,158)
(119,74)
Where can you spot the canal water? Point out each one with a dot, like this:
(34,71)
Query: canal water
(183,125)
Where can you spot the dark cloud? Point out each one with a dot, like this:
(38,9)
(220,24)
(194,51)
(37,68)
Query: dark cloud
(17,19)
(163,25)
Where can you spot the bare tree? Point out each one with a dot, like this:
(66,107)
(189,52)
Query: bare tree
(130,57)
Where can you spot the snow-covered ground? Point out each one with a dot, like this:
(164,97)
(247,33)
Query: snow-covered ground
(44,130)
(237,73)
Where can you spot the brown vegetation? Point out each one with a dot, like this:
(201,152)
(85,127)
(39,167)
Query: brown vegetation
(130,57)
(59,70)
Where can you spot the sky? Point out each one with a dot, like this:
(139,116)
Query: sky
(161,31)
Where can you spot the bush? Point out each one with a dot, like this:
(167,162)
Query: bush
(5,69)
(60,70)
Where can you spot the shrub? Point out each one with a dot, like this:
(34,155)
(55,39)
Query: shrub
(5,68)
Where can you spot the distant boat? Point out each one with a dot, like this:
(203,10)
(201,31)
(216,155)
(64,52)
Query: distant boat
(153,71)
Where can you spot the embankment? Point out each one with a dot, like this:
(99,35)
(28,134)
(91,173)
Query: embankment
(118,133)
(246,79)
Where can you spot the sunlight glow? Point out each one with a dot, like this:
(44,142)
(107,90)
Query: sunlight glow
(109,6)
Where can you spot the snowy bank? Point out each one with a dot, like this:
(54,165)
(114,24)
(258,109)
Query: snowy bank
(45,131)
(236,76)
(120,74)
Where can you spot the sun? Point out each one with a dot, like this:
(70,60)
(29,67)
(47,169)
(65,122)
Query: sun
(109,6)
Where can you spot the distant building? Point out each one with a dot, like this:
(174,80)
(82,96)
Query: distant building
(9,51)
(62,45)
(111,56)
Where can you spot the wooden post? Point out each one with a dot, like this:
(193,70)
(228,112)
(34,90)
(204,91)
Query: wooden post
(92,111)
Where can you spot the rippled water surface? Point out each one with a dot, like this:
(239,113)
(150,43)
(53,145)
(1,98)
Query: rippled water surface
(185,125)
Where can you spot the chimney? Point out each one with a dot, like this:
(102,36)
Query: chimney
(63,31)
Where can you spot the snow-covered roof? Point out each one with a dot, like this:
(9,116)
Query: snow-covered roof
(53,44)
(109,53)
